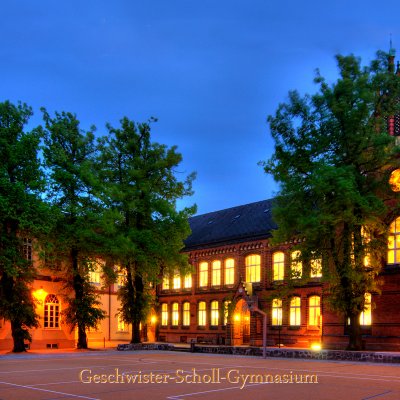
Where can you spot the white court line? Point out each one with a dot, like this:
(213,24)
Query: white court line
(49,391)
(180,396)
(265,368)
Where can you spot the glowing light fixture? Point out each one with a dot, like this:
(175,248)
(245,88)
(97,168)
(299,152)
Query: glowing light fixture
(316,346)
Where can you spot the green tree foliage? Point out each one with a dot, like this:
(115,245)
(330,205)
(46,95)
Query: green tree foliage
(76,241)
(22,215)
(141,189)
(333,157)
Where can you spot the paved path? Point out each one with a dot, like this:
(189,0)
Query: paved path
(148,375)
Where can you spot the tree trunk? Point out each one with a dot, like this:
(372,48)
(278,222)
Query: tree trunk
(138,304)
(79,295)
(18,337)
(355,337)
(82,338)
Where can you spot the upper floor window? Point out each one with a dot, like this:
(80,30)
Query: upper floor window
(175,314)
(316,267)
(201,318)
(164,314)
(216,273)
(165,282)
(394,242)
(276,312)
(295,311)
(27,249)
(187,281)
(214,313)
(94,274)
(253,268)
(296,265)
(314,311)
(366,315)
(186,314)
(229,271)
(51,311)
(203,274)
(121,277)
(176,281)
(278,266)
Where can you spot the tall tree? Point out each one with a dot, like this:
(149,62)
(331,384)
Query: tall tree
(69,153)
(141,190)
(22,216)
(333,156)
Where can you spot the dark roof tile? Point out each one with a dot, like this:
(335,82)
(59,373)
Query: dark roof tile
(232,225)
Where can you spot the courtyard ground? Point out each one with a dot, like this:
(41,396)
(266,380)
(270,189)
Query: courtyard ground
(147,375)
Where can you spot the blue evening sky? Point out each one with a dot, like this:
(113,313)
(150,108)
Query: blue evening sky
(210,71)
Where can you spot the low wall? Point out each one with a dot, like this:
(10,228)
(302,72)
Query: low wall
(332,355)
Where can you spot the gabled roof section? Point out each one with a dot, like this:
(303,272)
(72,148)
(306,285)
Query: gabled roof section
(232,225)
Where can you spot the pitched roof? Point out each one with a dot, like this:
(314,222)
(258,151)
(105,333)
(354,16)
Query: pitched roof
(232,225)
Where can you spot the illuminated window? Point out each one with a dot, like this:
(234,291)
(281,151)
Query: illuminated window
(203,274)
(394,242)
(216,273)
(165,282)
(314,311)
(121,277)
(229,271)
(186,314)
(253,268)
(202,313)
(164,314)
(226,310)
(27,249)
(94,274)
(122,326)
(187,281)
(176,281)
(214,313)
(316,268)
(51,312)
(366,315)
(295,311)
(278,266)
(175,314)
(276,312)
(296,265)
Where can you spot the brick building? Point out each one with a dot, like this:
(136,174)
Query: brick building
(230,247)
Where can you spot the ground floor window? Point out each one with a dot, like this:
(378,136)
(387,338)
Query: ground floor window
(276,312)
(51,311)
(202,313)
(314,311)
(214,313)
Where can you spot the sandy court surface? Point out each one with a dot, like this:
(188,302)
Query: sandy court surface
(112,375)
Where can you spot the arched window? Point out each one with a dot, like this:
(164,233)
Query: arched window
(229,271)
(278,266)
(314,311)
(214,313)
(164,314)
(295,311)
(366,315)
(276,312)
(202,313)
(51,311)
(176,281)
(253,268)
(226,310)
(216,273)
(203,274)
(296,265)
(186,314)
(394,242)
(175,314)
